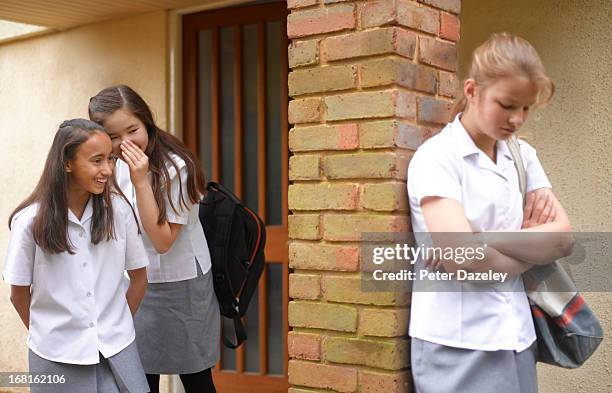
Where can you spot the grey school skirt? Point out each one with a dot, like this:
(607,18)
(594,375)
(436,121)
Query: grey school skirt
(178,326)
(120,373)
(441,369)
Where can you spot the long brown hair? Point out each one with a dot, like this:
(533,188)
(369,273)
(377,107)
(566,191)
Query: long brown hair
(507,55)
(50,226)
(158,150)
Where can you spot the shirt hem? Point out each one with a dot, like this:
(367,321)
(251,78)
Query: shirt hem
(80,362)
(159,280)
(476,347)
(66,361)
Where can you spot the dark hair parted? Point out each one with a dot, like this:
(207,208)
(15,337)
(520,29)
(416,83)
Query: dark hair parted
(50,225)
(158,149)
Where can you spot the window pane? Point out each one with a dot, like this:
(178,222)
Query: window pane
(251,321)
(249,116)
(205,99)
(273,126)
(226,71)
(228,355)
(276,337)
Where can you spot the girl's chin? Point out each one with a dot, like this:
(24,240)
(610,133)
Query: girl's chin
(97,190)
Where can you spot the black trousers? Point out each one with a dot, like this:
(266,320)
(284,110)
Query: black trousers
(200,382)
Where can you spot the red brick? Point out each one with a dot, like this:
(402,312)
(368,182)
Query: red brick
(453,6)
(437,53)
(449,27)
(304,346)
(433,110)
(321,20)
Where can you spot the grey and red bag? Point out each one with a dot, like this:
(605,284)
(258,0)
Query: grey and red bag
(568,332)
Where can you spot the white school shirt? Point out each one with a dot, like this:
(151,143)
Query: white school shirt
(78,306)
(450,165)
(179,263)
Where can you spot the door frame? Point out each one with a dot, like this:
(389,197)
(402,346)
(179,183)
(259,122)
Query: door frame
(277,252)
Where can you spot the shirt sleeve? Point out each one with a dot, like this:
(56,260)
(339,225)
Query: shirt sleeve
(181,215)
(536,177)
(19,262)
(432,174)
(135,254)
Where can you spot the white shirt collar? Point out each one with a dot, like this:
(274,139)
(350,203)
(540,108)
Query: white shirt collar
(465,144)
(87,214)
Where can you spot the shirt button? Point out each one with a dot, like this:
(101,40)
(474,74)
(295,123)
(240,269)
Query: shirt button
(88,294)
(84,264)
(91,324)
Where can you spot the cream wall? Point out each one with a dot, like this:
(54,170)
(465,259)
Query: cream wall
(573,135)
(47,79)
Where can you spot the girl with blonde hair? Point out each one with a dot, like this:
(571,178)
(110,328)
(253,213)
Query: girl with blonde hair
(479,337)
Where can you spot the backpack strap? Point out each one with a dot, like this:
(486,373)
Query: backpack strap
(515,151)
(240,334)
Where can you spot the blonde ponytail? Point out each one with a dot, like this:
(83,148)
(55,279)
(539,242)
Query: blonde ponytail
(506,55)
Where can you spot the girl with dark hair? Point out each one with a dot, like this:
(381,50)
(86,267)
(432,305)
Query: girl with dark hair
(71,242)
(178,325)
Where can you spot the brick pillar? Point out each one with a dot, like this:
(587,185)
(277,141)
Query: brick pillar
(369,81)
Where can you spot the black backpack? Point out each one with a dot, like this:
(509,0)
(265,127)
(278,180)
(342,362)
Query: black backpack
(236,239)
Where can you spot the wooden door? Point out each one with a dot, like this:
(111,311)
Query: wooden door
(235,116)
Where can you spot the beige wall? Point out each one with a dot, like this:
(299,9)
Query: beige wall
(572,135)
(47,79)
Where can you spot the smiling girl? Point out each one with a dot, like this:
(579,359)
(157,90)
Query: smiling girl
(464,181)
(178,326)
(71,242)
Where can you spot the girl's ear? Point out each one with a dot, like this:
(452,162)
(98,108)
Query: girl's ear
(469,89)
(68,167)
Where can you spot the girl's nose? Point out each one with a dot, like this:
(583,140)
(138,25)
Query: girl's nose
(518,118)
(107,168)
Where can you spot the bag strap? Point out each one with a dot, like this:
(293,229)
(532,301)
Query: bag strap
(240,334)
(515,152)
